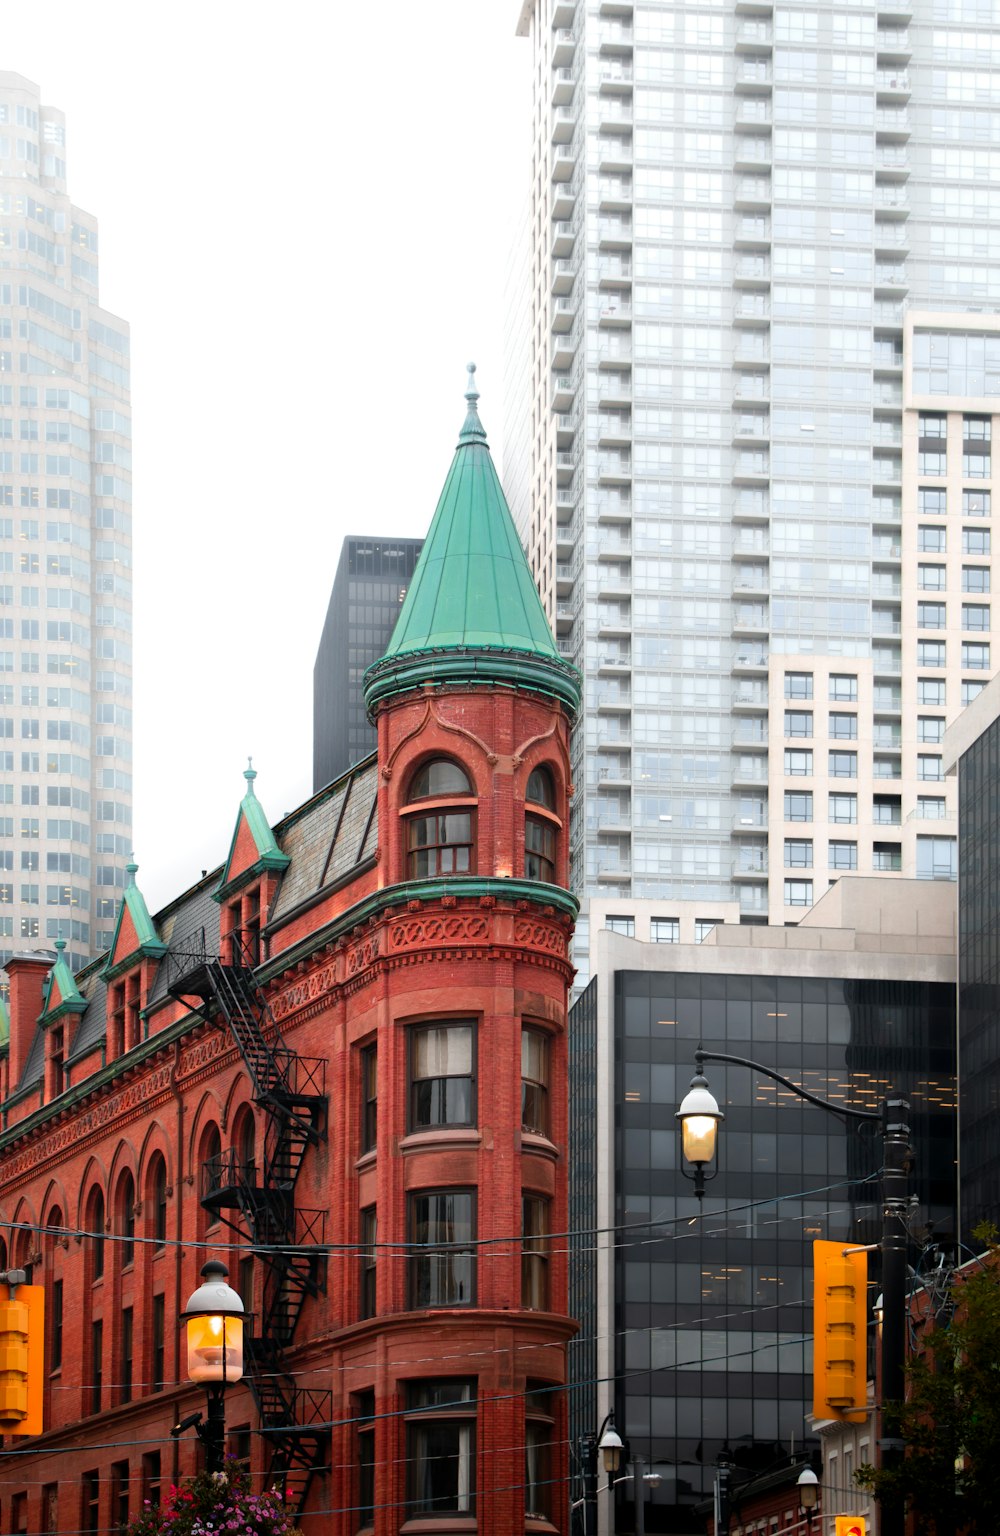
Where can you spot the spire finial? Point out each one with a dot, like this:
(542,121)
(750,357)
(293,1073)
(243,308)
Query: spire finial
(472,429)
(131,869)
(250,773)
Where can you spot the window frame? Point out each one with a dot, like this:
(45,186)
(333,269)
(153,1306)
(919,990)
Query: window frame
(539,1428)
(545,826)
(421,1281)
(368,1260)
(431,811)
(459,1414)
(535,1251)
(414,1124)
(536,1089)
(368,1072)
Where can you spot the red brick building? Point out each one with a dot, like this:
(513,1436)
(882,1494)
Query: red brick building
(339,1064)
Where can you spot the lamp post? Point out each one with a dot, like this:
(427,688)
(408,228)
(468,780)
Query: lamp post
(612,1448)
(213,1326)
(699,1116)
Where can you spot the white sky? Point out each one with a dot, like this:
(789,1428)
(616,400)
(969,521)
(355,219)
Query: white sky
(305,213)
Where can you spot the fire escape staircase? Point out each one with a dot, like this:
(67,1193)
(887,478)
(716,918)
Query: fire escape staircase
(291,1089)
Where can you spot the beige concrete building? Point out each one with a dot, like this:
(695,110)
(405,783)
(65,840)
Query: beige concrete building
(753,312)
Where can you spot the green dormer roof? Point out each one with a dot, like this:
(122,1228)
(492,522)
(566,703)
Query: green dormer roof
(472,612)
(260,853)
(62,995)
(148,941)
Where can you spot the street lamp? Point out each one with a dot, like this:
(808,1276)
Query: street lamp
(700,1117)
(700,1109)
(611,1446)
(213,1325)
(808,1486)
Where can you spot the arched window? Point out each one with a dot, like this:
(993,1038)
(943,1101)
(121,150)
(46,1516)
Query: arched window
(54,1311)
(245,1147)
(157,1185)
(95,1225)
(440,840)
(211,1174)
(126,1218)
(540,831)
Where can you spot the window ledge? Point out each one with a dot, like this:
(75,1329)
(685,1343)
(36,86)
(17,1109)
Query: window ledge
(366,1160)
(427,1525)
(538,1523)
(531,1141)
(447,1136)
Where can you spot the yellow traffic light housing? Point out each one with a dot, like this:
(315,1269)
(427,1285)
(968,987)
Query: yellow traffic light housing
(22,1358)
(840,1385)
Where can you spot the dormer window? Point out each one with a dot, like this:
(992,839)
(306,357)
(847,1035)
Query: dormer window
(440,837)
(244,923)
(541,827)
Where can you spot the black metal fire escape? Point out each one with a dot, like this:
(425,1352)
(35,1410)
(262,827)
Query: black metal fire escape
(291,1089)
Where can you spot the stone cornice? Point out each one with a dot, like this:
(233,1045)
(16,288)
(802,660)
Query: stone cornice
(425,933)
(463,888)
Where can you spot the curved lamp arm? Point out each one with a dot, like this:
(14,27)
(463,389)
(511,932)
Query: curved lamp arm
(871,1115)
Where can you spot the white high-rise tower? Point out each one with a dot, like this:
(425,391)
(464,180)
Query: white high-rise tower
(757,302)
(65,554)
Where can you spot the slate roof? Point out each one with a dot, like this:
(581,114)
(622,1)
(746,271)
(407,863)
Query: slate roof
(323,843)
(328,838)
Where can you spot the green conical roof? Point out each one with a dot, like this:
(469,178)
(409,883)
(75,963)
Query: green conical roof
(62,995)
(149,941)
(472,612)
(269,855)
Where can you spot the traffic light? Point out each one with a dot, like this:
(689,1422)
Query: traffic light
(22,1357)
(840,1386)
(851,1525)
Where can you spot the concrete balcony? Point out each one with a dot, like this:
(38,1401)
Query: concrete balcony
(563,126)
(614,79)
(563,86)
(750,659)
(563,315)
(563,47)
(563,203)
(562,394)
(563,163)
(615,312)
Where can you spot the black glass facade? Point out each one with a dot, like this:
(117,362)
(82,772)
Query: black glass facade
(979,979)
(712,1312)
(583,1218)
(372,579)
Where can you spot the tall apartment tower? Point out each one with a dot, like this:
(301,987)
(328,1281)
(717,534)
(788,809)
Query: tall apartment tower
(373,577)
(65,554)
(763,361)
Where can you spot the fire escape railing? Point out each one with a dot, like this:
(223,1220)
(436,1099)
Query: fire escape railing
(288,1240)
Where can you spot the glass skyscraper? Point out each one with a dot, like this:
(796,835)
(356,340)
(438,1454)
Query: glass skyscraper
(752,309)
(65,554)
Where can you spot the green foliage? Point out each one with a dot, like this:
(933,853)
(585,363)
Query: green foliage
(950,1422)
(215,1503)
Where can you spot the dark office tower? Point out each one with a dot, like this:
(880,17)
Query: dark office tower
(368,591)
(973,748)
